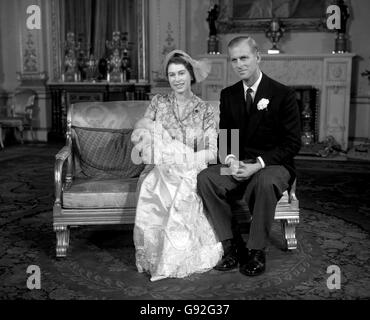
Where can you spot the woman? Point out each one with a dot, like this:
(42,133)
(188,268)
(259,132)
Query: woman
(172,235)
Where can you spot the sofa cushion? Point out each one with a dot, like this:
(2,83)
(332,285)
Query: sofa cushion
(106,153)
(101,193)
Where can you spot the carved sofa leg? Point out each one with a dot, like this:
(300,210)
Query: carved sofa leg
(62,234)
(288,229)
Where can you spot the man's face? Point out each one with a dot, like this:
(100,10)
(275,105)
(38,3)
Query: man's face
(245,61)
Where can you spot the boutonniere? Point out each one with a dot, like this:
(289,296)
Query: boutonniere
(262,104)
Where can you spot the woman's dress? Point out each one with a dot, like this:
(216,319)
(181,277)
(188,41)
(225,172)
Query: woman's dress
(172,235)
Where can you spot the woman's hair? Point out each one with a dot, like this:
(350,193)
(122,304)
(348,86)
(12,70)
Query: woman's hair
(178,59)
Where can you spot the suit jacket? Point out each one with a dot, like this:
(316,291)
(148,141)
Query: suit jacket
(272,133)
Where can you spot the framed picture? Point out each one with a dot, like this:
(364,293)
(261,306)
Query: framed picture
(255,15)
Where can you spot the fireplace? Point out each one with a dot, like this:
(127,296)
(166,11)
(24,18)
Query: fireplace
(307,99)
(322,81)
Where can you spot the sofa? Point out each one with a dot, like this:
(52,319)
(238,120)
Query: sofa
(96,181)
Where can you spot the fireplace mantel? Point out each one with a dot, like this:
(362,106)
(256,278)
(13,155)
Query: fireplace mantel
(329,73)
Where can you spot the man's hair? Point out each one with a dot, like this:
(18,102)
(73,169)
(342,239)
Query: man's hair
(251,42)
(178,59)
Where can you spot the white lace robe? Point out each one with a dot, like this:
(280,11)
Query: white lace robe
(172,235)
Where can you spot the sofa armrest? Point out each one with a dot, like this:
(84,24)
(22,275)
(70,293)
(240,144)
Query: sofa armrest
(60,158)
(63,153)
(293,200)
(292,194)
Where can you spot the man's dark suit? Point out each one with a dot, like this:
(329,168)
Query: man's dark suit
(272,134)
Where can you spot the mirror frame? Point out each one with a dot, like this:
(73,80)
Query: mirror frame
(228,24)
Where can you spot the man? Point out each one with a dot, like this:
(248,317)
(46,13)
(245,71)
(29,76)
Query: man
(267,116)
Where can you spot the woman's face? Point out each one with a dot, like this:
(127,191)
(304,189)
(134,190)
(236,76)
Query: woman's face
(179,78)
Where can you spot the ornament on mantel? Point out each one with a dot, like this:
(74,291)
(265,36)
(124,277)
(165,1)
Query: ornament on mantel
(341,39)
(213,14)
(274,32)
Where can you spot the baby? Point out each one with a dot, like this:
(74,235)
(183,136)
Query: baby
(154,143)
(156,146)
(146,130)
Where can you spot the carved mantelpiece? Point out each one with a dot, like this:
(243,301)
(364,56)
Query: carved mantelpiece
(329,73)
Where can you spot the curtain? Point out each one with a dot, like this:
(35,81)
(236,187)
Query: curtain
(77,17)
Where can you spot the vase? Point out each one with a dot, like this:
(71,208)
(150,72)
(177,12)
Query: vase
(213,45)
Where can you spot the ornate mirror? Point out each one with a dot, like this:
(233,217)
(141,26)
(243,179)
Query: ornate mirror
(91,30)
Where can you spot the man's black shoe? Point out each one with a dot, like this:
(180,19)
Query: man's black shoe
(256,263)
(229,260)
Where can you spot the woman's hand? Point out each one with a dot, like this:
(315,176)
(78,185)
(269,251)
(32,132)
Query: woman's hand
(141,135)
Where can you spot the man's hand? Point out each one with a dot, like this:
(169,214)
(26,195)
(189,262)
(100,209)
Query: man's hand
(234,165)
(230,159)
(244,171)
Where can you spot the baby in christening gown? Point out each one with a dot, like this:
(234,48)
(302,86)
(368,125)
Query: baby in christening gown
(172,235)
(155,143)
(156,146)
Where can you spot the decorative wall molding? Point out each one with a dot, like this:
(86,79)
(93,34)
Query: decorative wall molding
(32,77)
(234,26)
(306,72)
(29,42)
(167,27)
(29,55)
(363,100)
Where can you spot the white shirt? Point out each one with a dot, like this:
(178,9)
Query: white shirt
(254,87)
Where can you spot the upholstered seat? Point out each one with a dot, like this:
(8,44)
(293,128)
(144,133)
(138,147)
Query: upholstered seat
(100,193)
(101,180)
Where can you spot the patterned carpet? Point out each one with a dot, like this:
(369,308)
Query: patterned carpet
(334,230)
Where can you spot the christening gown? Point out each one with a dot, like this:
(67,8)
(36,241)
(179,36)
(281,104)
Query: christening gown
(172,235)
